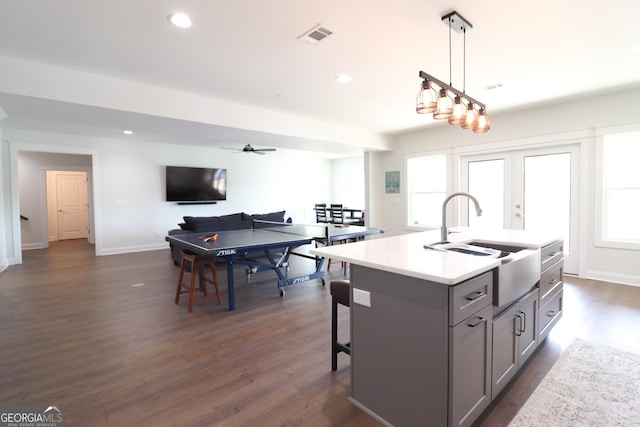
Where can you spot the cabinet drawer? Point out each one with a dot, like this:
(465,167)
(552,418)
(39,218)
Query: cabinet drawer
(551,254)
(550,282)
(550,314)
(470,297)
(470,368)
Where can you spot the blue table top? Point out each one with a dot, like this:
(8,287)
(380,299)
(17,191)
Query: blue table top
(234,242)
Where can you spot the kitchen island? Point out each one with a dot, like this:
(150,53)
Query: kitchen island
(433,338)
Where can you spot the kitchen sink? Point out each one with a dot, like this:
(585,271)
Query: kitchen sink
(518,272)
(474,248)
(466,249)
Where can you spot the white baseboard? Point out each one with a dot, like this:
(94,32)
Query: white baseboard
(129,249)
(30,246)
(607,276)
(9,263)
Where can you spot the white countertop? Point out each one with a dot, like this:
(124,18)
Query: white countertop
(405,254)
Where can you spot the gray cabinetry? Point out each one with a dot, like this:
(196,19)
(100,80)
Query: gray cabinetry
(420,351)
(515,338)
(527,329)
(550,282)
(469,375)
(469,297)
(518,330)
(470,314)
(551,292)
(424,353)
(550,254)
(550,314)
(399,348)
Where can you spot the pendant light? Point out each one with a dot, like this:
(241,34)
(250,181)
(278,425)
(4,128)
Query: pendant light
(426,98)
(470,118)
(462,110)
(483,123)
(444,106)
(459,112)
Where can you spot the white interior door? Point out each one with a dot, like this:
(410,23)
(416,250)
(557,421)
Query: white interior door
(533,190)
(73,212)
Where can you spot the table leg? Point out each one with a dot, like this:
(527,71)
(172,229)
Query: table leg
(231,285)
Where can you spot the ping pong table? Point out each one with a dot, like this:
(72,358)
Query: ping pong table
(268,246)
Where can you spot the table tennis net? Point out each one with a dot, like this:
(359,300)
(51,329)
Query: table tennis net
(318,231)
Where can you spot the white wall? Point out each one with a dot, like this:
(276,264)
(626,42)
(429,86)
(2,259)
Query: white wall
(374,180)
(5,208)
(542,124)
(348,182)
(128,185)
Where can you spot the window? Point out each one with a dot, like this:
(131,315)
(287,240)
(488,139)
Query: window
(618,224)
(426,190)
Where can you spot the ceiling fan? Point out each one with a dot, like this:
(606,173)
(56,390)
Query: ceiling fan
(249,149)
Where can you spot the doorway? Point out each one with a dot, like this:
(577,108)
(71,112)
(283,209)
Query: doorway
(29,163)
(535,190)
(67,205)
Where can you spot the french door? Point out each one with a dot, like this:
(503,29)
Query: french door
(534,190)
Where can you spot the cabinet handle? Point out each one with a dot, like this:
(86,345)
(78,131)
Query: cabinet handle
(480,321)
(475,296)
(552,281)
(524,321)
(551,313)
(552,254)
(519,328)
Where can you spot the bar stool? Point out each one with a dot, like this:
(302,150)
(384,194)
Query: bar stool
(197,263)
(343,264)
(340,294)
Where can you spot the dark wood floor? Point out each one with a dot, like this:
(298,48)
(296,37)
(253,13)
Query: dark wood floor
(75,332)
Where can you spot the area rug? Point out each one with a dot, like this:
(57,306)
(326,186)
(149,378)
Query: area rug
(590,385)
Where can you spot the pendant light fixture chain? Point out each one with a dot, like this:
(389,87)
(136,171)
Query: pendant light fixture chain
(464,61)
(450,78)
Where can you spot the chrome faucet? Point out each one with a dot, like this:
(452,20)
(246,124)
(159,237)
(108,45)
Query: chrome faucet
(444,232)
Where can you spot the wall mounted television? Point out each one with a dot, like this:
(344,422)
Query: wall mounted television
(195,185)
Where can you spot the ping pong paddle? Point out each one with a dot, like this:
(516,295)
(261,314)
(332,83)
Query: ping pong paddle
(205,239)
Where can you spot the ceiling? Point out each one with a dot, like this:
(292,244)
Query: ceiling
(248,53)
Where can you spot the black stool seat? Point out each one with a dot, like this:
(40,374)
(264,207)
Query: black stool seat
(341,290)
(340,294)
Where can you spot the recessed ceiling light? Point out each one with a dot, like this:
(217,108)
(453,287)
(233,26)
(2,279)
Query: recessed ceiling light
(343,78)
(128,132)
(180,20)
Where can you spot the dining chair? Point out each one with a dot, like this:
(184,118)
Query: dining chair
(336,213)
(336,216)
(321,212)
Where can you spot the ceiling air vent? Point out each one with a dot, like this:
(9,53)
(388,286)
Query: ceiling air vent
(316,34)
